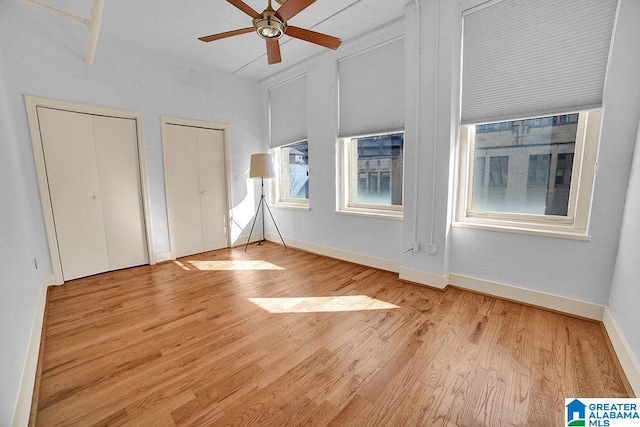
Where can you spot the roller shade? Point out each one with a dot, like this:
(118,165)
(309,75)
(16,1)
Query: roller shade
(528,58)
(288,111)
(372,91)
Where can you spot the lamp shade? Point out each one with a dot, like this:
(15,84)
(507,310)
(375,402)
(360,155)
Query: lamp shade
(261,166)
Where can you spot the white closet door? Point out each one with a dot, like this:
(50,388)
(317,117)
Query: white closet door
(181,152)
(212,188)
(195,179)
(72,173)
(118,170)
(94,186)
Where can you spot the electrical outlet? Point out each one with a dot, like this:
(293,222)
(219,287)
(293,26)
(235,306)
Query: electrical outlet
(430,248)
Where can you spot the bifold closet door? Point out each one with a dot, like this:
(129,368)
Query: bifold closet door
(94,187)
(119,176)
(196,188)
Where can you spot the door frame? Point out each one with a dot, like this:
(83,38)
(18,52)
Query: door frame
(31,104)
(177,121)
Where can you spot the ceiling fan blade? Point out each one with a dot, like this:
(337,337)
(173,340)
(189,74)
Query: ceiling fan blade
(224,35)
(273,51)
(292,7)
(245,8)
(313,37)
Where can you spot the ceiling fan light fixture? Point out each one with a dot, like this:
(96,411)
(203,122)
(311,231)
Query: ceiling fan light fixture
(269,28)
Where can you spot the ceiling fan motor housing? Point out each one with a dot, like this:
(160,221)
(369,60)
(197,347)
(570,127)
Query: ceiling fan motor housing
(268,26)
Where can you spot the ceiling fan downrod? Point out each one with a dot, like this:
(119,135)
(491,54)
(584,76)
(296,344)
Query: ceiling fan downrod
(268,26)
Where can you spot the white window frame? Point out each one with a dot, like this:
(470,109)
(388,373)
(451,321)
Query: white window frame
(279,201)
(348,181)
(572,226)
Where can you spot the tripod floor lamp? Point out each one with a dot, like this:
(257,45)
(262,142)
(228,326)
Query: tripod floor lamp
(262,167)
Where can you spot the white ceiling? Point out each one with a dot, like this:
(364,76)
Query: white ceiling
(173,27)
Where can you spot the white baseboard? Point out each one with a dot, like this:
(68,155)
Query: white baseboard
(541,299)
(49,280)
(424,278)
(22,410)
(163,256)
(626,357)
(527,296)
(369,261)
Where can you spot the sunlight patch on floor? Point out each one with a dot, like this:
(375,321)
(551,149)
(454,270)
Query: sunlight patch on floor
(321,304)
(181,265)
(245,265)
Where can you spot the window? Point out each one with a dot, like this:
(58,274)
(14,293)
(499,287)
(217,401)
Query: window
(532,175)
(371,130)
(531,113)
(292,185)
(372,173)
(288,140)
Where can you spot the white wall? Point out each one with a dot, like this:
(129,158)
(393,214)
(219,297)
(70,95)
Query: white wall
(46,58)
(575,269)
(321,225)
(578,270)
(19,280)
(625,293)
(568,268)
(433,129)
(43,54)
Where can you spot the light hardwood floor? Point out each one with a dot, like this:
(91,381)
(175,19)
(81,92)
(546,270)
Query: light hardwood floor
(278,336)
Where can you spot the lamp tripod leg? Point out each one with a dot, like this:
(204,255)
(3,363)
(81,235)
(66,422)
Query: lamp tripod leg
(262,202)
(274,223)
(254,223)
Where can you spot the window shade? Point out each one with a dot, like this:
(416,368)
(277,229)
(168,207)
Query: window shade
(372,91)
(288,109)
(527,58)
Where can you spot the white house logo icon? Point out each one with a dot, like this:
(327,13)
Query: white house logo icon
(576,413)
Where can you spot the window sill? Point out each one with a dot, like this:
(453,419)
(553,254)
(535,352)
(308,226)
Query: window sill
(293,206)
(534,230)
(371,213)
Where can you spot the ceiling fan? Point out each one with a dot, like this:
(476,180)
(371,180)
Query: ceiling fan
(272,24)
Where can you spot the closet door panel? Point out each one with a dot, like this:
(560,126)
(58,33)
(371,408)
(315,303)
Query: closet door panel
(181,152)
(70,157)
(211,169)
(118,170)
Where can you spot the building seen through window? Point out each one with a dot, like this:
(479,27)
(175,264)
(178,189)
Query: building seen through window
(524,166)
(294,171)
(379,169)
